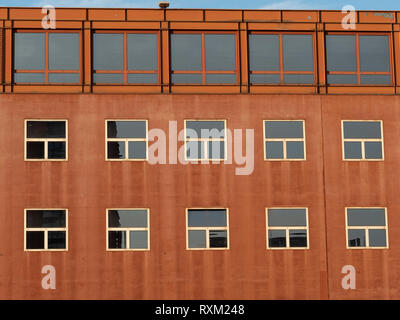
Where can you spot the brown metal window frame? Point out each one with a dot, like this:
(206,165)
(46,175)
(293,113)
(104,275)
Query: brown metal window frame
(46,70)
(358,73)
(204,72)
(125,70)
(281,72)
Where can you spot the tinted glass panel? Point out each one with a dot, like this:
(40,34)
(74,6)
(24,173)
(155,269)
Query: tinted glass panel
(207,218)
(56,240)
(205,129)
(45,219)
(64,78)
(366,217)
(138,240)
(29,51)
(127,218)
(35,239)
(374,53)
(56,150)
(108,78)
(216,150)
(117,239)
(274,149)
(283,129)
(221,78)
(341,53)
(126,129)
(220,52)
(287,217)
(195,150)
(342,79)
(297,52)
(298,238)
(277,238)
(265,78)
(264,53)
(375,79)
(35,150)
(46,129)
(295,150)
(197,238)
(373,150)
(142,51)
(137,150)
(218,239)
(186,52)
(29,77)
(64,51)
(142,78)
(352,150)
(356,238)
(377,237)
(361,130)
(298,78)
(116,150)
(108,51)
(187,78)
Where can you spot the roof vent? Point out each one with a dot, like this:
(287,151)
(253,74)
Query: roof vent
(163,4)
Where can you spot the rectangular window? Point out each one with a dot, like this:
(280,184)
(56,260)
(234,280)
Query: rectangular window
(362,140)
(128,229)
(358,59)
(207,229)
(284,140)
(366,228)
(126,140)
(205,140)
(47,57)
(204,58)
(46,140)
(287,228)
(46,229)
(281,58)
(125,58)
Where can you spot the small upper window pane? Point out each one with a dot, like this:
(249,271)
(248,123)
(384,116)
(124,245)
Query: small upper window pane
(127,218)
(186,52)
(366,217)
(207,218)
(362,129)
(205,129)
(126,129)
(341,53)
(220,52)
(287,217)
(264,53)
(283,129)
(46,129)
(64,51)
(374,53)
(45,219)
(29,51)
(142,51)
(108,51)
(298,53)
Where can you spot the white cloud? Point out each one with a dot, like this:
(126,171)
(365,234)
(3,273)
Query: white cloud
(288,4)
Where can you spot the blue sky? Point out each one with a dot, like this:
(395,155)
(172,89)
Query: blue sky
(222,4)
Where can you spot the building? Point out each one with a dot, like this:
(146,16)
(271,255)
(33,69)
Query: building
(323,101)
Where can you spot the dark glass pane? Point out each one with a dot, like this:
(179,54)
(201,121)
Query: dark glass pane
(191,78)
(342,79)
(297,52)
(29,77)
(287,217)
(108,78)
(283,129)
(362,129)
(356,238)
(46,129)
(295,150)
(117,239)
(352,150)
(142,51)
(298,78)
(29,51)
(137,150)
(375,79)
(366,217)
(373,150)
(264,52)
(374,53)
(142,78)
(116,150)
(216,149)
(186,52)
(35,150)
(64,51)
(35,239)
(205,129)
(220,52)
(56,240)
(64,78)
(377,237)
(195,150)
(138,240)
(56,150)
(207,218)
(277,238)
(197,238)
(108,51)
(218,239)
(221,78)
(298,238)
(265,78)
(127,218)
(126,129)
(341,53)
(274,149)
(45,219)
